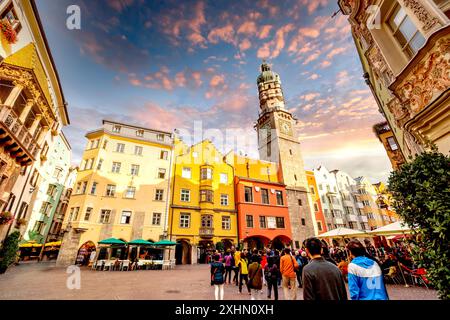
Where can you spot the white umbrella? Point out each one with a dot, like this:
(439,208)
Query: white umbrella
(395,228)
(343,233)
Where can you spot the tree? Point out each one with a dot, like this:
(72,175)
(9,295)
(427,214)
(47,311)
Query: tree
(220,246)
(9,250)
(421,192)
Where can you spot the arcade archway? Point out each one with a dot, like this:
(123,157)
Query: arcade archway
(256,242)
(183,251)
(280,242)
(84,253)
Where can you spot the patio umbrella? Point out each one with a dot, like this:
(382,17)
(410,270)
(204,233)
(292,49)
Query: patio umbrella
(112,241)
(140,242)
(165,243)
(343,233)
(395,228)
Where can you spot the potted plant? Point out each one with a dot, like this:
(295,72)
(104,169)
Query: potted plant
(8,31)
(20,222)
(6,217)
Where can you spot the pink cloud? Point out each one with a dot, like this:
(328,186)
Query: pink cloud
(272,49)
(265,31)
(245,45)
(217,80)
(225,34)
(336,52)
(248,28)
(119,5)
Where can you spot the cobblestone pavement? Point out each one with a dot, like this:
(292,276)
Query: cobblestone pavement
(44,280)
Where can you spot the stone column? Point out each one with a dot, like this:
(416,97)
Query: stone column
(41,137)
(15,92)
(26,111)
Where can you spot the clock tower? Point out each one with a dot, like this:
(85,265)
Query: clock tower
(278,141)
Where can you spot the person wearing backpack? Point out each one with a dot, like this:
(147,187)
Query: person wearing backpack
(271,274)
(217,277)
(288,267)
(255,275)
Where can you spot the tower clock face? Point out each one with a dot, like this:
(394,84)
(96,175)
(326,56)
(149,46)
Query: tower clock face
(285,127)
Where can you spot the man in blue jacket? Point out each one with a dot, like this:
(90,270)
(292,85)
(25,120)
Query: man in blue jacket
(365,279)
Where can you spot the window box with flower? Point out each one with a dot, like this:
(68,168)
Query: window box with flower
(6,217)
(8,31)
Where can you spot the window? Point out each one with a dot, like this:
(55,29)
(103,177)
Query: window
(223,199)
(105,144)
(316,207)
(366,203)
(156,219)
(303,222)
(116,128)
(300,203)
(99,165)
(88,213)
(280,223)
(160,137)
(116,167)
(138,150)
(159,194)
(161,173)
(392,143)
(186,173)
(206,196)
(163,155)
(45,208)
(74,213)
(312,190)
(370,215)
(126,217)
(104,216)
(207,221)
(120,147)
(249,221)
(185,220)
(185,195)
(206,174)
(224,178)
(51,190)
(265,196)
(405,32)
(248,194)
(319,226)
(134,170)
(226,223)
(83,187)
(56,174)
(351,225)
(110,190)
(131,192)
(94,188)
(279,197)
(139,133)
(320,187)
(262,222)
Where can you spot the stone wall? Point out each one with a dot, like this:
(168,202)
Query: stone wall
(69,248)
(297,213)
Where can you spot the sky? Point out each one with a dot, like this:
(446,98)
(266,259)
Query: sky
(184,64)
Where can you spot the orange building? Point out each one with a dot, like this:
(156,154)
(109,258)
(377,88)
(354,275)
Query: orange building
(317,205)
(263,216)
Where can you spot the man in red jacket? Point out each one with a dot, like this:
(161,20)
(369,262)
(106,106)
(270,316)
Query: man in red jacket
(288,266)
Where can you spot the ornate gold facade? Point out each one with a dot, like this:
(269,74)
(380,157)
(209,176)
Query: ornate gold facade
(408,72)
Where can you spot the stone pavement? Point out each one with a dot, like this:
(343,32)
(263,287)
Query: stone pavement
(36,281)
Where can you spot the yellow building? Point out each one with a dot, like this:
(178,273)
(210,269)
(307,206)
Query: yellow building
(404,50)
(121,189)
(202,204)
(384,200)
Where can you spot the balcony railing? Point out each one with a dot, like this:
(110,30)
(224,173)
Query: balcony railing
(23,147)
(206,232)
(352,217)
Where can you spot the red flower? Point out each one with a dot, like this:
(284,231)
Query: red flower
(8,31)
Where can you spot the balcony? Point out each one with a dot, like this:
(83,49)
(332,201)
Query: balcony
(352,217)
(348,203)
(206,232)
(338,220)
(363,218)
(16,138)
(359,205)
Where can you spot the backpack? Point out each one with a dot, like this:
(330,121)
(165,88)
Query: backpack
(271,273)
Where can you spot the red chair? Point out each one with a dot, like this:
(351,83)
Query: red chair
(417,275)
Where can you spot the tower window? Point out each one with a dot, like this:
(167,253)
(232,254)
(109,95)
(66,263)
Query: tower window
(290,151)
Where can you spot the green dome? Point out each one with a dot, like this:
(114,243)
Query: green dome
(267,74)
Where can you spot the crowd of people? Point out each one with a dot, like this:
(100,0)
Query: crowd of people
(319,269)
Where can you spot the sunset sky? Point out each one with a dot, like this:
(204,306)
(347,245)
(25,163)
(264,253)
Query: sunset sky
(166,64)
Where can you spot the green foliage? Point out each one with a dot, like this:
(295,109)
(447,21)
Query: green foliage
(421,192)
(9,250)
(220,246)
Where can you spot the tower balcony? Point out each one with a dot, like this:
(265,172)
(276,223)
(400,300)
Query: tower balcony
(206,232)
(16,138)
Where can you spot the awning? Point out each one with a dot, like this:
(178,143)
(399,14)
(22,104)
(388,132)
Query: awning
(343,233)
(53,244)
(392,229)
(140,242)
(30,245)
(112,241)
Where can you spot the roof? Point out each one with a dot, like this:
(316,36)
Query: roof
(134,126)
